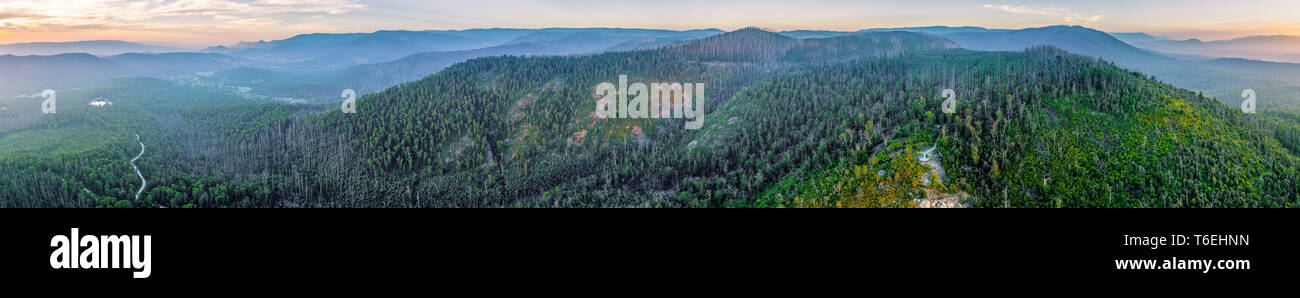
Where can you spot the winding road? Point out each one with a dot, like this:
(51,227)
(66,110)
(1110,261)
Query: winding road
(143,183)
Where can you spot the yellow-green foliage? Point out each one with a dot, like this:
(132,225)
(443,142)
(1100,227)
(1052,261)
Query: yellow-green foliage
(857,185)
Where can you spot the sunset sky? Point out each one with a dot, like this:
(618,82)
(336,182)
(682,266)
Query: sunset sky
(200,23)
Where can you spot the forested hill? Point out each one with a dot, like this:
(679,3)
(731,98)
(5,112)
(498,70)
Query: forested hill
(1083,131)
(481,107)
(1039,128)
(1076,39)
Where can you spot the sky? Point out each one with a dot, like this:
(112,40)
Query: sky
(201,23)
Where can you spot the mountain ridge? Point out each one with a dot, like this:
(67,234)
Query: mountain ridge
(93,47)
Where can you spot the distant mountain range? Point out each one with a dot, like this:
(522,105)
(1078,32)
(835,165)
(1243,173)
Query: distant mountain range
(372,61)
(281,80)
(315,52)
(754,45)
(1075,39)
(1280,48)
(93,47)
(936,30)
(33,73)
(378,59)
(323,51)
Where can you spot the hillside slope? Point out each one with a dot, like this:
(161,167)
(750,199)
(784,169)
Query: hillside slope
(1061,130)
(1223,79)
(1074,39)
(527,121)
(1039,128)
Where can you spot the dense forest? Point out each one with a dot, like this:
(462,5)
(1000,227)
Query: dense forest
(831,122)
(1044,128)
